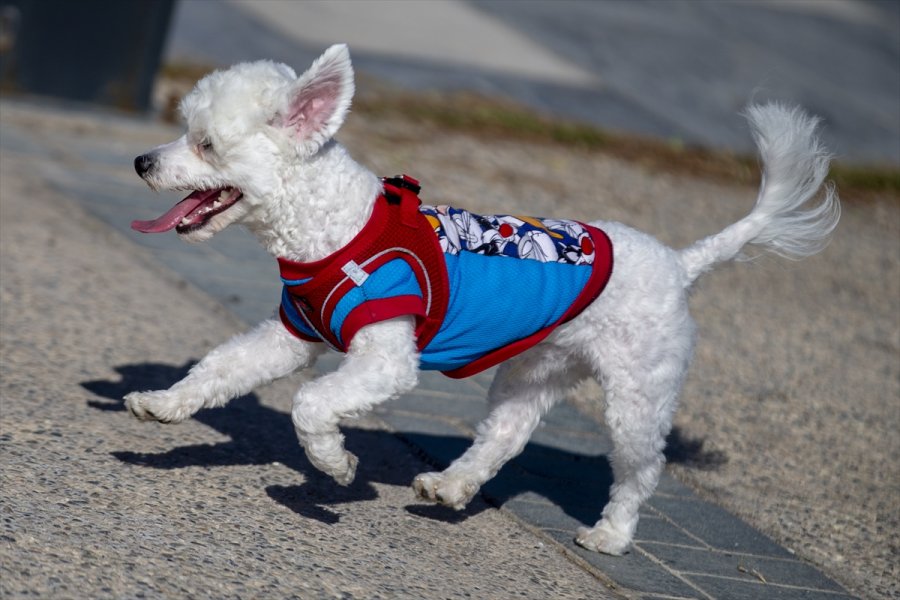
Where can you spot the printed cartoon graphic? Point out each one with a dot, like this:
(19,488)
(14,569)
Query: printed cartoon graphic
(539,246)
(543,240)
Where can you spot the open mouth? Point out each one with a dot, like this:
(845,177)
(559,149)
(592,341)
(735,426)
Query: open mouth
(193,212)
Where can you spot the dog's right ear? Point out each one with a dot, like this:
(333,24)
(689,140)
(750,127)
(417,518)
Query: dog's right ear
(320,98)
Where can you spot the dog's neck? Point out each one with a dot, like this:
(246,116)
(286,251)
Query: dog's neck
(325,201)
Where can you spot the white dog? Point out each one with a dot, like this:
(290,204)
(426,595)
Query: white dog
(259,151)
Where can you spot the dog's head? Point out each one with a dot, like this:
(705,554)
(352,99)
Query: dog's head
(248,128)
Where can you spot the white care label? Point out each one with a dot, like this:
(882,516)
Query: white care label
(355,273)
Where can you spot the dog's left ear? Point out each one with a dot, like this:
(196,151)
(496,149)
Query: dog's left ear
(320,98)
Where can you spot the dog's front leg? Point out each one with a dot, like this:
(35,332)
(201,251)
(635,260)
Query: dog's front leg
(235,368)
(381,363)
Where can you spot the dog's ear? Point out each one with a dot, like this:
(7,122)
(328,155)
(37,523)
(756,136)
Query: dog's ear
(320,98)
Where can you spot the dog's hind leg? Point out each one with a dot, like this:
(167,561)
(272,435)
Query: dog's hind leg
(641,397)
(523,390)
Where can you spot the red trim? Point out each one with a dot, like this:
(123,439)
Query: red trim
(500,354)
(325,312)
(600,274)
(381,309)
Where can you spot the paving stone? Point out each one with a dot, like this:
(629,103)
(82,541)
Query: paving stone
(478,399)
(717,527)
(669,486)
(739,566)
(582,502)
(481,381)
(732,589)
(328,362)
(544,515)
(408,424)
(440,442)
(566,416)
(548,461)
(589,444)
(465,408)
(655,529)
(632,571)
(471,386)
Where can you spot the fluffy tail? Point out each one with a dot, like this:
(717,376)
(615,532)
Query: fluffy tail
(794,165)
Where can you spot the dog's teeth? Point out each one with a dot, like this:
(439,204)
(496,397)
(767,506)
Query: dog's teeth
(184,221)
(224,194)
(217,204)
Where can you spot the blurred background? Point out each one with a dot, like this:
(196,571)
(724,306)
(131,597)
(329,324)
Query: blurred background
(677,71)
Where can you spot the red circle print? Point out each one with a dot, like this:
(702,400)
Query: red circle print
(587,245)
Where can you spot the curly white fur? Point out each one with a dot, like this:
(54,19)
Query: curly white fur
(261,129)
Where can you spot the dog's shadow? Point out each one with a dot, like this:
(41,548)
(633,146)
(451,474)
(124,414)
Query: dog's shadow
(259,435)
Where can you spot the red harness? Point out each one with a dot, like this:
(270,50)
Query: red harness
(396,230)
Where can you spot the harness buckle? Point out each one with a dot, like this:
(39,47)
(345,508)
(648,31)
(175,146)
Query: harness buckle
(403,191)
(403,182)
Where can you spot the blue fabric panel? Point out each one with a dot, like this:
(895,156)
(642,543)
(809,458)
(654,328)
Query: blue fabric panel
(394,278)
(293,316)
(496,300)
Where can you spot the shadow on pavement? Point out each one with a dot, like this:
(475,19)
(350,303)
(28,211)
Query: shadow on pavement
(578,484)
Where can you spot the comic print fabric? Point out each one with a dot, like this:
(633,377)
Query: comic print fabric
(543,240)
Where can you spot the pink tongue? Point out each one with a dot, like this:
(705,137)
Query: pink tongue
(174,216)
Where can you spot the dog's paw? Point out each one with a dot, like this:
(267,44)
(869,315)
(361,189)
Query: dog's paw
(450,490)
(345,474)
(338,464)
(162,406)
(326,453)
(603,538)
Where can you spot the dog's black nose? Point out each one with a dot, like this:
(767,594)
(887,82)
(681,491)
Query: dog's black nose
(143,163)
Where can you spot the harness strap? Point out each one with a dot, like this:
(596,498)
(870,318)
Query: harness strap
(315,289)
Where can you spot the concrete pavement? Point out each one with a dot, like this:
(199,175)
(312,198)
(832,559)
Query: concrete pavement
(100,505)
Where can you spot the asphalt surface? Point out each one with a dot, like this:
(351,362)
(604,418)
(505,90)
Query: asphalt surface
(679,70)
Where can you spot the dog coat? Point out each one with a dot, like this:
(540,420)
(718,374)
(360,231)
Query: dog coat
(481,288)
